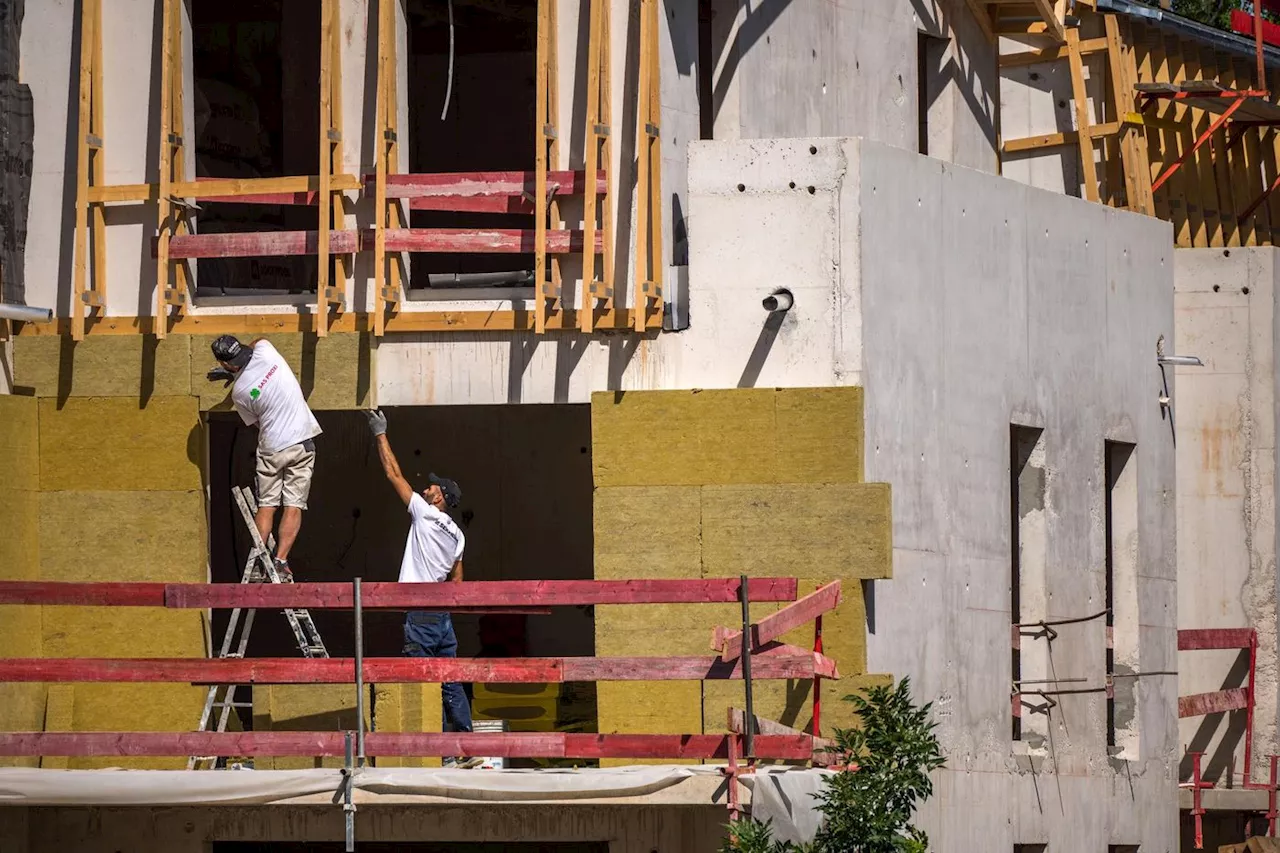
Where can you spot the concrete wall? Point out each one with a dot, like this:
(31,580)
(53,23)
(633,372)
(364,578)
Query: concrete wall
(963,303)
(1226,491)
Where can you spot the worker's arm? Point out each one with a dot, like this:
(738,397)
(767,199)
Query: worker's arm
(455,574)
(378,425)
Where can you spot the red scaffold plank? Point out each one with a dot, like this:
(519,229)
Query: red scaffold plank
(260,244)
(443,596)
(773,665)
(482,241)
(1242,23)
(504,744)
(1200,704)
(1205,639)
(83,594)
(773,626)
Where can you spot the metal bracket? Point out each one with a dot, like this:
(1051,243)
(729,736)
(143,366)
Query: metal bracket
(175,139)
(652,130)
(600,129)
(334,135)
(93,140)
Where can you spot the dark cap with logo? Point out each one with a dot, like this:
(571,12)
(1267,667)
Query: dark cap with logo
(229,350)
(452,494)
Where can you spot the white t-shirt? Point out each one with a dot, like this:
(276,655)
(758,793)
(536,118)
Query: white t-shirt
(267,393)
(435,543)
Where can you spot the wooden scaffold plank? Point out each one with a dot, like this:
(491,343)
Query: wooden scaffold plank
(649,261)
(1088,166)
(597,293)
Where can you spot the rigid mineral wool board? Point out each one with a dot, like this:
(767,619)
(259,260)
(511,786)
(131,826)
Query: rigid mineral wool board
(110,444)
(820,435)
(136,366)
(19,442)
(669,707)
(650,438)
(335,372)
(787,702)
(123,536)
(305,708)
(122,632)
(797,531)
(648,532)
(135,707)
(20,544)
(407,708)
(23,707)
(660,629)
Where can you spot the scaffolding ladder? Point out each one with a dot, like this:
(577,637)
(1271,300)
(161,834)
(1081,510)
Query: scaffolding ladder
(259,567)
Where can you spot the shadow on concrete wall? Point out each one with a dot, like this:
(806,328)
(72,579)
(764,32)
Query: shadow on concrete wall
(1220,764)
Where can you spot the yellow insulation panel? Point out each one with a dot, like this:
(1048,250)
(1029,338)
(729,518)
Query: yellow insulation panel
(136,366)
(19,537)
(109,444)
(335,372)
(820,435)
(19,442)
(123,536)
(656,438)
(304,708)
(407,708)
(648,532)
(797,531)
(637,707)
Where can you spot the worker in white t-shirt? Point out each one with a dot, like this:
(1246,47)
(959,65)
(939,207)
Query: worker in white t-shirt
(267,393)
(432,553)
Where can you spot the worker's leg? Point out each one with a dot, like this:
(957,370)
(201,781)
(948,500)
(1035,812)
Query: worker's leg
(301,462)
(264,520)
(456,708)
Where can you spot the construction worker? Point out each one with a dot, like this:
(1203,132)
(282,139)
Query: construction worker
(432,554)
(265,392)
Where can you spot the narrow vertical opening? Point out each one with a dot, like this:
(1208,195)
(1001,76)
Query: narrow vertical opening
(1027,588)
(1031,848)
(1121,513)
(1122,848)
(706,70)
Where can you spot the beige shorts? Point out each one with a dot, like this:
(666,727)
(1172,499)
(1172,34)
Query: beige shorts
(284,477)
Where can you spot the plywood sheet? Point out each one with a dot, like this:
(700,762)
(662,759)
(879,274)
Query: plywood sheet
(110,444)
(648,532)
(653,438)
(136,366)
(19,442)
(820,435)
(833,531)
(123,536)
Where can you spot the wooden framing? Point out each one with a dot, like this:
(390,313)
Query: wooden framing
(387,271)
(539,193)
(378,744)
(597,292)
(467,594)
(649,260)
(787,663)
(332,204)
(89,287)
(546,206)
(729,642)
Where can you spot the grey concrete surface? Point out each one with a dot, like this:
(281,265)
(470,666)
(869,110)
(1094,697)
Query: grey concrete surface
(1226,310)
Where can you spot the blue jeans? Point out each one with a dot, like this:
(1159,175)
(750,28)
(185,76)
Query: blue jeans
(430,635)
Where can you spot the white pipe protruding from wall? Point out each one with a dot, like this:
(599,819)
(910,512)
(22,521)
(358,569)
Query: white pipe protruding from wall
(1180,360)
(780,300)
(25,313)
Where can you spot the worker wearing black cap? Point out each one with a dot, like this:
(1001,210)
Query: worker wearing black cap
(265,392)
(432,553)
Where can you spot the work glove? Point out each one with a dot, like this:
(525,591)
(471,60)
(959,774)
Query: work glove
(218,374)
(377,422)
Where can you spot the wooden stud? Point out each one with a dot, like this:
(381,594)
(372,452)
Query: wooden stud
(553,143)
(88,28)
(1217,157)
(1241,143)
(540,212)
(1052,19)
(98,171)
(165,207)
(1190,196)
(343,263)
(980,14)
(326,169)
(180,294)
(1049,54)
(1088,167)
(648,273)
(1133,151)
(597,81)
(729,642)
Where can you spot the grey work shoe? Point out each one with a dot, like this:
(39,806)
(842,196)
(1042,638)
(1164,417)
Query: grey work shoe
(283,570)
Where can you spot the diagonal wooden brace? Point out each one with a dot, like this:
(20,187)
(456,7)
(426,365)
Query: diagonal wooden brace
(729,642)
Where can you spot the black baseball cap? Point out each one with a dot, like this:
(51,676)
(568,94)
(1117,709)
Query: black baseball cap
(229,350)
(452,494)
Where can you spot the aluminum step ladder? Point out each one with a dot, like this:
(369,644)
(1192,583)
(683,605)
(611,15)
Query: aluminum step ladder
(259,567)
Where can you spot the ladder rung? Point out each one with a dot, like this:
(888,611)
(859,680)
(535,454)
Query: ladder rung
(233,704)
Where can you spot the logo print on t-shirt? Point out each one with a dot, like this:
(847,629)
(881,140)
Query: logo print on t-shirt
(254,393)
